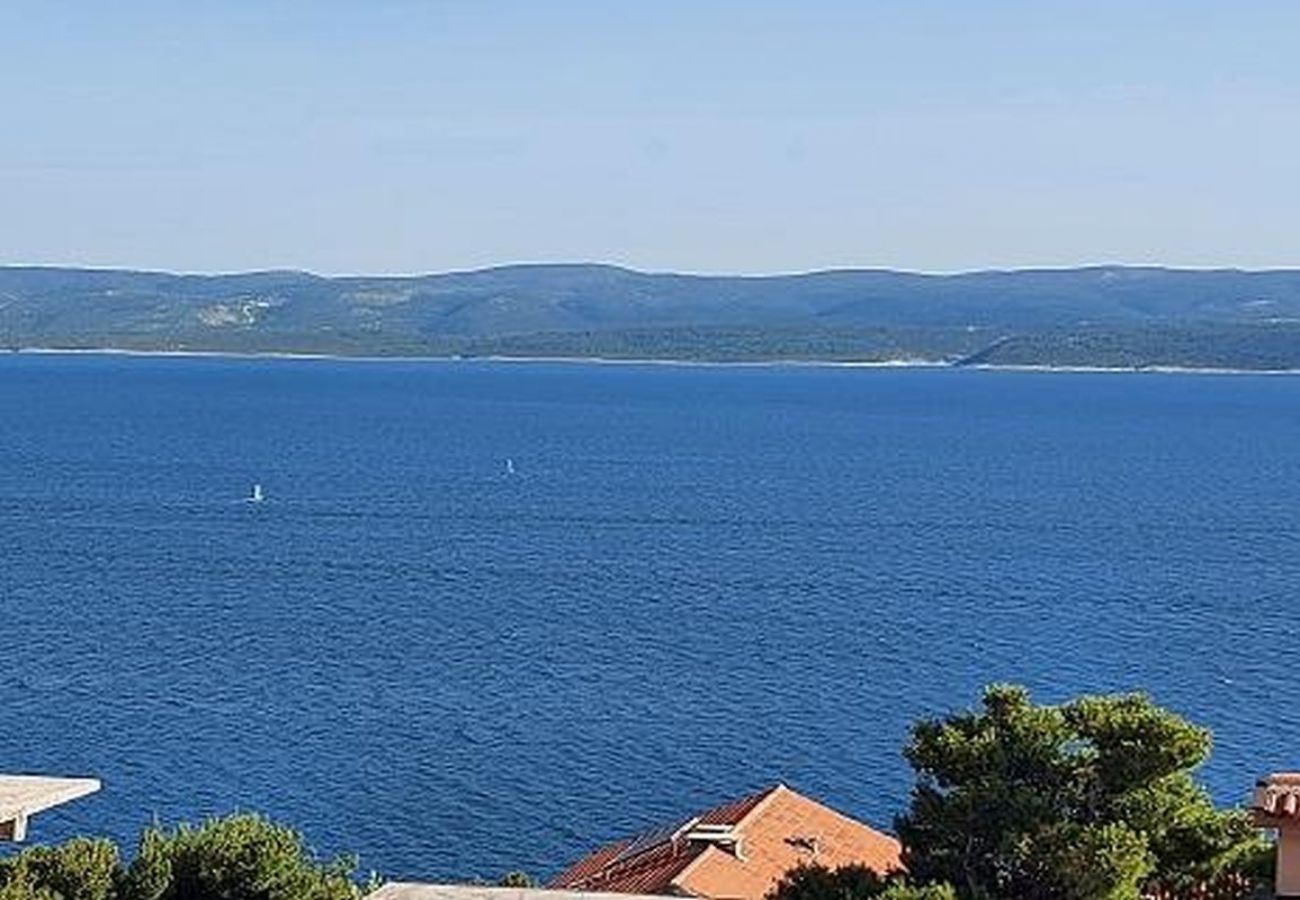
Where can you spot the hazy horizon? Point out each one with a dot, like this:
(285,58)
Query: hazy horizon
(640,270)
(732,138)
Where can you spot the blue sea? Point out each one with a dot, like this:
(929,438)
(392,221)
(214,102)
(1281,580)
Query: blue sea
(696,581)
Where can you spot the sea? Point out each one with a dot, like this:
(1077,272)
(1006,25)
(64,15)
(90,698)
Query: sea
(489,615)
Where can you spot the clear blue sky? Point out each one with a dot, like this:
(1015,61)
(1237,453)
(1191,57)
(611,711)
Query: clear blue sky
(703,136)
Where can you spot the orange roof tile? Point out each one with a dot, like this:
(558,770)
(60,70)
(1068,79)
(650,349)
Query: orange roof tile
(738,850)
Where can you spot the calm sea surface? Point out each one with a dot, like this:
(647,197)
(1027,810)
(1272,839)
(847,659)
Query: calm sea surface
(697,581)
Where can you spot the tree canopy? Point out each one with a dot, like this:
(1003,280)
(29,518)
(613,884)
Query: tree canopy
(241,857)
(853,882)
(1093,799)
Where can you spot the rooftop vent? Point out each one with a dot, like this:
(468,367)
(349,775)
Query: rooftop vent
(653,839)
(724,836)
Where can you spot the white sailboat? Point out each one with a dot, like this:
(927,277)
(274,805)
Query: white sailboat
(510,466)
(257,496)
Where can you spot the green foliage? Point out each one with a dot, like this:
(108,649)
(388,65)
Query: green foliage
(901,890)
(81,869)
(1107,862)
(242,857)
(852,882)
(1116,318)
(517,879)
(1091,800)
(817,882)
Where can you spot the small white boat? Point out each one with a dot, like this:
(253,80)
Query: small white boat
(510,466)
(257,496)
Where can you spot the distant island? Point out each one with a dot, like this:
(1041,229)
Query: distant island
(1110,317)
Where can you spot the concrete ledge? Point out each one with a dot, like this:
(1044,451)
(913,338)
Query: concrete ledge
(22,796)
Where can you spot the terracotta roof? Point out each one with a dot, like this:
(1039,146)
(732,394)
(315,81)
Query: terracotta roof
(737,850)
(1277,798)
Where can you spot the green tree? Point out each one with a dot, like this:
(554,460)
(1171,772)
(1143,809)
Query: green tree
(902,890)
(241,857)
(81,869)
(1090,800)
(517,879)
(852,882)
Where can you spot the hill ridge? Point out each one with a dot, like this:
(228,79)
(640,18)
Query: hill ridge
(1102,314)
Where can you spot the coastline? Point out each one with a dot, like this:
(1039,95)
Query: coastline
(902,363)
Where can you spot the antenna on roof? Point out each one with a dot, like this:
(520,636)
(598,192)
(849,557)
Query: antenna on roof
(805,842)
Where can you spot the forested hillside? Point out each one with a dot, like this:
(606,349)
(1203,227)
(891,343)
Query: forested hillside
(1103,316)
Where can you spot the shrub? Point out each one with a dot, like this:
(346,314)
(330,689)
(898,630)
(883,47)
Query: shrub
(81,869)
(242,857)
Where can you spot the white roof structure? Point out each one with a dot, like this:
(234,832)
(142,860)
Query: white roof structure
(22,796)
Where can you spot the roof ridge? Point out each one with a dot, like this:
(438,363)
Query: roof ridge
(843,816)
(766,798)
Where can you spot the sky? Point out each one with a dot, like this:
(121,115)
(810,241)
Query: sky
(704,136)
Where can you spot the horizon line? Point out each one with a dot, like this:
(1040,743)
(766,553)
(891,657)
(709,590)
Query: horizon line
(589,264)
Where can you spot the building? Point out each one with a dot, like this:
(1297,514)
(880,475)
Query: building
(737,851)
(1277,806)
